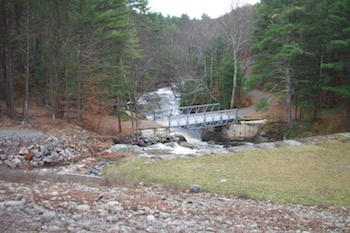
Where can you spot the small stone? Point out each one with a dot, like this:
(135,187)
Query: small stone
(195,188)
(111,204)
(59,147)
(112,219)
(28,157)
(23,151)
(151,218)
(48,159)
(19,197)
(122,229)
(76,217)
(53,139)
(17,161)
(83,207)
(3,156)
(46,150)
(36,154)
(164,215)
(68,154)
(35,163)
(54,155)
(53,228)
(48,216)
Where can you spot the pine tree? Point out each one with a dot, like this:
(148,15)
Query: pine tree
(338,51)
(278,44)
(308,70)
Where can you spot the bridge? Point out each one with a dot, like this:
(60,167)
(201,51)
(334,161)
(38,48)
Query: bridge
(198,116)
(203,119)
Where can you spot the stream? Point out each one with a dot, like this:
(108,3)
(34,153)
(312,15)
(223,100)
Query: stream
(167,100)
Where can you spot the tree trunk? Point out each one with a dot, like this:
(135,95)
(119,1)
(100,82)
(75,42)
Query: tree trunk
(234,79)
(136,113)
(290,123)
(80,80)
(8,64)
(132,117)
(348,97)
(296,108)
(52,94)
(99,123)
(26,104)
(79,93)
(119,116)
(67,91)
(348,109)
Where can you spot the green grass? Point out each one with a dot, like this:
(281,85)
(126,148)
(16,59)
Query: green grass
(262,105)
(125,116)
(309,174)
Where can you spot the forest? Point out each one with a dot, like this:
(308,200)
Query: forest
(83,57)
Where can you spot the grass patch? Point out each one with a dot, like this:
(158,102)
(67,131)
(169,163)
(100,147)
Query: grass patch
(311,127)
(262,105)
(124,116)
(309,174)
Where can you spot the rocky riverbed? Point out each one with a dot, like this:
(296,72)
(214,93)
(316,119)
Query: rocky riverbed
(53,206)
(22,148)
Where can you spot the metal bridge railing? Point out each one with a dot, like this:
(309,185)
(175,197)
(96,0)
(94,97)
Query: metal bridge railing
(161,114)
(199,108)
(205,119)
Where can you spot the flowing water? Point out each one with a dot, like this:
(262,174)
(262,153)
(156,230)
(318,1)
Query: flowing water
(165,101)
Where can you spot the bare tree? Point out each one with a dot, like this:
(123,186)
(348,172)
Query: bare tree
(237,27)
(192,45)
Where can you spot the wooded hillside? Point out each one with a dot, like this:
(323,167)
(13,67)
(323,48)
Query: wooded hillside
(79,56)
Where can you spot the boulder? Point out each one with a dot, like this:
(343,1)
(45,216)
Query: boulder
(186,144)
(180,137)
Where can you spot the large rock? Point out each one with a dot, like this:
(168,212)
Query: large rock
(244,130)
(186,144)
(213,134)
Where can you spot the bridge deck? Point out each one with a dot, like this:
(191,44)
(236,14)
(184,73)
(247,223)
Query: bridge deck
(197,116)
(205,119)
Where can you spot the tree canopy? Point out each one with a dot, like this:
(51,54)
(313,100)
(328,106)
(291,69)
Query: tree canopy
(302,49)
(88,56)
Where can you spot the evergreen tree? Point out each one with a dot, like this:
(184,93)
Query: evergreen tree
(278,45)
(308,72)
(338,51)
